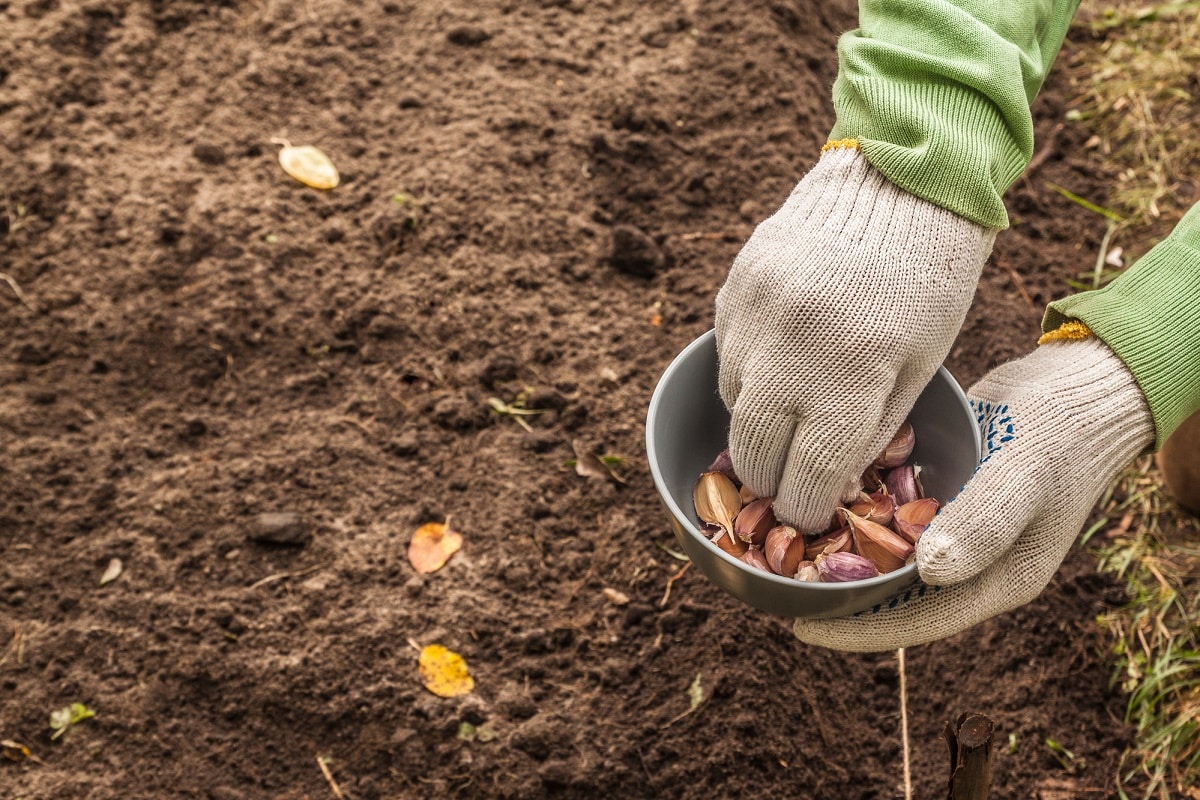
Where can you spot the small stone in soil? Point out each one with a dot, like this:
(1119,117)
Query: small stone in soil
(468,36)
(635,253)
(404,444)
(208,153)
(281,527)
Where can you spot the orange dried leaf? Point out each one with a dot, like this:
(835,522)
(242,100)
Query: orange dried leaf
(432,545)
(444,672)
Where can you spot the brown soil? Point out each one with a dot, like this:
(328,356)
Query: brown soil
(203,340)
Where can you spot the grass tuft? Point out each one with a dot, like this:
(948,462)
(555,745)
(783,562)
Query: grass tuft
(1136,69)
(1153,548)
(1140,97)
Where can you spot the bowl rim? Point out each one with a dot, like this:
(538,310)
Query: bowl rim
(707,339)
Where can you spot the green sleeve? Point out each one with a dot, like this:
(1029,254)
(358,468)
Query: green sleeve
(1150,317)
(937,93)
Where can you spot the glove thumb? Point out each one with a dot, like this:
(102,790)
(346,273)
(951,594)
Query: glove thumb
(979,525)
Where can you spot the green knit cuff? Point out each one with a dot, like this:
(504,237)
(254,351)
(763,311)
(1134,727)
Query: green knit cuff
(1150,317)
(943,142)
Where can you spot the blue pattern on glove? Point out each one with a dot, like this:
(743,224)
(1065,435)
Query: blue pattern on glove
(917,590)
(996,425)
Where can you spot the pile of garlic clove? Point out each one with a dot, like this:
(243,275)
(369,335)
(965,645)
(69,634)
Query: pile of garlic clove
(872,535)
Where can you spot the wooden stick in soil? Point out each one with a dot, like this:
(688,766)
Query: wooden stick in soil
(970,741)
(904,726)
(333,785)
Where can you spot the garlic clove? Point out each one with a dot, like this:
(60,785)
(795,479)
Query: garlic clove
(911,519)
(872,479)
(731,544)
(794,556)
(754,557)
(807,571)
(716,499)
(898,449)
(747,494)
(886,548)
(902,485)
(754,520)
(878,507)
(723,464)
(844,567)
(839,541)
(778,541)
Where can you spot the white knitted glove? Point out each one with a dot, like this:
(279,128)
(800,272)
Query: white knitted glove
(835,315)
(1058,425)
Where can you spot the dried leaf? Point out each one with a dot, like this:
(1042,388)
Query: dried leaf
(695,698)
(675,554)
(14,751)
(432,545)
(590,465)
(695,693)
(615,597)
(112,572)
(444,672)
(515,410)
(309,165)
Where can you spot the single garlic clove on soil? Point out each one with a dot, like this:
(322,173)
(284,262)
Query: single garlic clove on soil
(309,165)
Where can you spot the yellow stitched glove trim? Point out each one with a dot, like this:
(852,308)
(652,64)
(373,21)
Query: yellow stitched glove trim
(840,144)
(1069,331)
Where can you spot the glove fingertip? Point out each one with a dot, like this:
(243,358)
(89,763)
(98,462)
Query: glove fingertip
(964,540)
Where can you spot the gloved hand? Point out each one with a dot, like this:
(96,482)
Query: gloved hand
(1058,425)
(834,317)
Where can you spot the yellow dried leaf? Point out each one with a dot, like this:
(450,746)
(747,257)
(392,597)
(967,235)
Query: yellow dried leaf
(432,545)
(309,165)
(444,672)
(14,751)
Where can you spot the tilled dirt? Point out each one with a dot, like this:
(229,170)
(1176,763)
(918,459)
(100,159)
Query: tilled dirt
(539,202)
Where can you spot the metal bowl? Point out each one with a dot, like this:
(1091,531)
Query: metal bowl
(687,425)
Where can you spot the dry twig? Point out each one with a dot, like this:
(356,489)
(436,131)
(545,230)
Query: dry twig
(333,786)
(1016,279)
(904,726)
(16,287)
(671,581)
(278,576)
